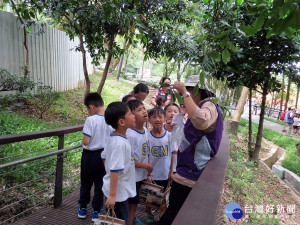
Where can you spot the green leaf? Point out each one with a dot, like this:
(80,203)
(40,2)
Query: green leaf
(216,56)
(224,42)
(240,2)
(226,56)
(195,90)
(271,21)
(262,8)
(162,84)
(251,11)
(204,1)
(283,11)
(221,34)
(215,100)
(145,40)
(259,22)
(231,47)
(178,97)
(202,78)
(247,29)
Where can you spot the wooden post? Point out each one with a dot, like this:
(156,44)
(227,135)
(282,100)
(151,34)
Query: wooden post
(59,174)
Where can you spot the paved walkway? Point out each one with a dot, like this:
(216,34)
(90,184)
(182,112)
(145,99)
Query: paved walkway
(268,124)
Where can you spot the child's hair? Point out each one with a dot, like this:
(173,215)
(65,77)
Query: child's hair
(141,88)
(133,104)
(155,111)
(160,100)
(93,99)
(126,97)
(114,112)
(174,104)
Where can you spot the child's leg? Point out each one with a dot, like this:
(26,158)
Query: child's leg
(98,174)
(133,203)
(121,210)
(132,210)
(85,179)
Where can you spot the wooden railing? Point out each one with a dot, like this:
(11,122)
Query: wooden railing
(60,133)
(202,205)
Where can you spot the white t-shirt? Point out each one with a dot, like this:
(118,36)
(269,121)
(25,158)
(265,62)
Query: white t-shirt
(161,149)
(139,144)
(119,158)
(97,130)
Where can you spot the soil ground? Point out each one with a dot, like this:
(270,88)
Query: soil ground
(276,194)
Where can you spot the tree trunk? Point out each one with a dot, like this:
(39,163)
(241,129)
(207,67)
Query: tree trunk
(255,155)
(232,96)
(121,62)
(109,56)
(151,67)
(26,69)
(126,62)
(85,71)
(250,151)
(282,91)
(297,97)
(116,62)
(287,94)
(241,104)
(143,65)
(178,71)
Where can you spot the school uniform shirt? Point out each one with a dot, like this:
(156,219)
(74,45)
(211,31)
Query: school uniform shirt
(97,130)
(119,158)
(139,145)
(161,149)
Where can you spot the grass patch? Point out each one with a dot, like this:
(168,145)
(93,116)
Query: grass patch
(243,185)
(274,121)
(291,162)
(39,176)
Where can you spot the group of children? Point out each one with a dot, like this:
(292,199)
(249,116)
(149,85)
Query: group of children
(119,153)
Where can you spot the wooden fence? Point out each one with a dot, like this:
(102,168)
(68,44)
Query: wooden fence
(52,56)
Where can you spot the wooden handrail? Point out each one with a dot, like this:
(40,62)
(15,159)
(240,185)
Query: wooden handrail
(11,138)
(202,204)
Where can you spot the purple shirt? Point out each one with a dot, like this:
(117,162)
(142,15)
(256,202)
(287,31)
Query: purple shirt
(191,162)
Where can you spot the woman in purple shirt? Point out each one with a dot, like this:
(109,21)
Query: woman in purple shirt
(203,133)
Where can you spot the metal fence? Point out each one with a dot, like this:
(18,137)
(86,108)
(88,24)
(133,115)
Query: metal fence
(52,56)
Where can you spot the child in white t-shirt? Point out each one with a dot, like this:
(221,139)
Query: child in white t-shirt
(95,134)
(162,150)
(171,111)
(119,181)
(137,137)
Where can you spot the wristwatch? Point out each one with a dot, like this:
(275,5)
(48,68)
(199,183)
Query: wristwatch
(187,94)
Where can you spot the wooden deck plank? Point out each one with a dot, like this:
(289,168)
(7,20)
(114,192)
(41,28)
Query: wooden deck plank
(67,214)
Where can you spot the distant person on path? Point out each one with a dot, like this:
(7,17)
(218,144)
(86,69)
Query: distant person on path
(160,92)
(283,118)
(203,132)
(295,124)
(140,92)
(95,134)
(290,120)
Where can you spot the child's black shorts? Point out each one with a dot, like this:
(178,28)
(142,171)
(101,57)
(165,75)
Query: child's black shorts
(136,199)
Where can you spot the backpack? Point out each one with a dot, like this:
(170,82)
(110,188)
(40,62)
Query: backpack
(290,120)
(282,116)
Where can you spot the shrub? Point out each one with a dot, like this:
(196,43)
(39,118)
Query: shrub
(12,81)
(44,99)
